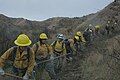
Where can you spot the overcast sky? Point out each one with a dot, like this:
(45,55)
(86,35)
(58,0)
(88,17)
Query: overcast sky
(44,9)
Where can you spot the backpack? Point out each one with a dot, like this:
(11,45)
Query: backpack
(15,50)
(67,46)
(86,35)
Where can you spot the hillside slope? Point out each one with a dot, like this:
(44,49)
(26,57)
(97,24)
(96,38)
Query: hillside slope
(109,13)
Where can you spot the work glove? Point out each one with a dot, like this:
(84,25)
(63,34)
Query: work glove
(26,77)
(52,57)
(2,71)
(35,64)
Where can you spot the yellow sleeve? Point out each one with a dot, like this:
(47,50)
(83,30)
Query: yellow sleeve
(64,49)
(72,45)
(34,47)
(31,62)
(5,57)
(83,40)
(50,49)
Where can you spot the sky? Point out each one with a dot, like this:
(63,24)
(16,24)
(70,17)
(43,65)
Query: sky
(44,9)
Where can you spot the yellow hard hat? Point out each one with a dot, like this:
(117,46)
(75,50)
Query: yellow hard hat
(43,36)
(77,37)
(97,27)
(22,40)
(78,33)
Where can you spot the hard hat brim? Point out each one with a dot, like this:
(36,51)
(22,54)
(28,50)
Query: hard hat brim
(61,38)
(27,44)
(76,37)
(44,38)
